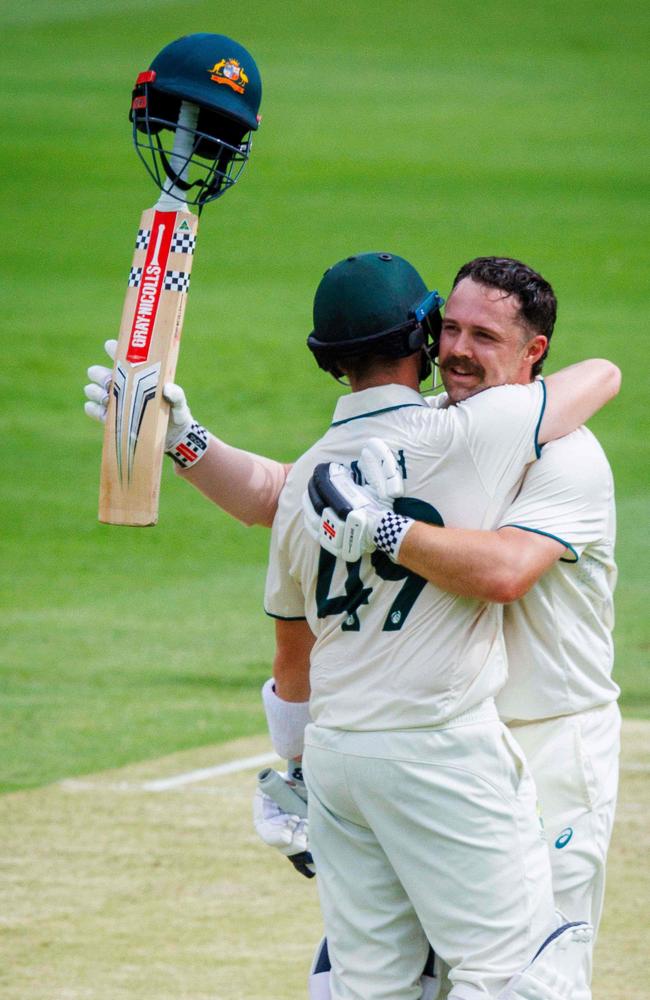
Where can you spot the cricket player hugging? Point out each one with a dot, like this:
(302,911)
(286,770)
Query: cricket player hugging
(422,811)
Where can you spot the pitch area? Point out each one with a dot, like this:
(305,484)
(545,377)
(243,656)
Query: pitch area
(149,882)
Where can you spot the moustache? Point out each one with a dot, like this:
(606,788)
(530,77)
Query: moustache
(462,365)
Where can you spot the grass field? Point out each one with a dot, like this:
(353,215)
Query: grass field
(440,136)
(438,132)
(114,891)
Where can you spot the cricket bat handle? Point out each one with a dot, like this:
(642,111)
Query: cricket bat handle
(274,785)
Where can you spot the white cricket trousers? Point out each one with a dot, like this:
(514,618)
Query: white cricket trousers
(427,835)
(574,761)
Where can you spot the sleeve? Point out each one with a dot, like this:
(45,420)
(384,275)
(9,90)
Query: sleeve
(567,495)
(501,426)
(283,597)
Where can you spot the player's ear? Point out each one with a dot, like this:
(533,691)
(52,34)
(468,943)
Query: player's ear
(535,348)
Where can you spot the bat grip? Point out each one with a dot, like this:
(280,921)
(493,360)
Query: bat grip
(179,158)
(274,785)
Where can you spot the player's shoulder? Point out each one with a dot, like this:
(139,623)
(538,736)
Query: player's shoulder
(581,449)
(500,403)
(575,462)
(303,467)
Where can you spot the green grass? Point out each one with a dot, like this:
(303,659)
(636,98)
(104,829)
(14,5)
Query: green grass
(436,132)
(113,892)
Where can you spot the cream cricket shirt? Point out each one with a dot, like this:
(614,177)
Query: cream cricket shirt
(559,636)
(391,651)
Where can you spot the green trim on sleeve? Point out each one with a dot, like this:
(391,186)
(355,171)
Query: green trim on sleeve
(538,446)
(547,534)
(286,618)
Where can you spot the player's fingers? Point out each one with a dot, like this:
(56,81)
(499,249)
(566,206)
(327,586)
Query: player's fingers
(96,411)
(311,517)
(96,394)
(110,346)
(180,411)
(173,394)
(101,375)
(300,837)
(380,469)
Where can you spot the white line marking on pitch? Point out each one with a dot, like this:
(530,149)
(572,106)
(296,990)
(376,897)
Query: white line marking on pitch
(177,780)
(231,767)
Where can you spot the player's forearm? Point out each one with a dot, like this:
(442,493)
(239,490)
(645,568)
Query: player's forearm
(496,566)
(575,393)
(294,641)
(245,485)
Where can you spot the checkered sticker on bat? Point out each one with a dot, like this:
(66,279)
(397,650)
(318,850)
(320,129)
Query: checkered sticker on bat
(176,281)
(135,275)
(142,239)
(183,242)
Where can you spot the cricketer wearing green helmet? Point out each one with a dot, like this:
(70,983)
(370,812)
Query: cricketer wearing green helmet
(385,684)
(373,305)
(417,791)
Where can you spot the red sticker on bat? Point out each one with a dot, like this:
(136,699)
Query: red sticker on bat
(151,283)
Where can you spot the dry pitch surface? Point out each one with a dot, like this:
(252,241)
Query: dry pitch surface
(114,890)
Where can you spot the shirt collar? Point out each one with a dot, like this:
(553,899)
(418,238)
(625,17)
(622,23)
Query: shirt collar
(375,400)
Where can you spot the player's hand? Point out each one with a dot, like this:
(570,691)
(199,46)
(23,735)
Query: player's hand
(286,832)
(380,470)
(181,428)
(97,391)
(180,418)
(347,519)
(339,514)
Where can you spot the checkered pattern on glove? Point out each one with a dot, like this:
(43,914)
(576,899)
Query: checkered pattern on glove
(191,447)
(390,532)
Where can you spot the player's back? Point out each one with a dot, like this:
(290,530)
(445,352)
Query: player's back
(392,651)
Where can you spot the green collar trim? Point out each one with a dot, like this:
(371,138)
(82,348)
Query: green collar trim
(374,413)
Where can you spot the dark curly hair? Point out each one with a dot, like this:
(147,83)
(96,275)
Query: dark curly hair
(537,302)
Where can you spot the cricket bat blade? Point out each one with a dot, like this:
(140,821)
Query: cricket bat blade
(146,357)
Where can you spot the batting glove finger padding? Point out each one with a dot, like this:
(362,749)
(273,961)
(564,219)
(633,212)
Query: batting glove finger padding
(100,383)
(351,520)
(381,471)
(96,392)
(110,346)
(180,417)
(96,411)
(286,832)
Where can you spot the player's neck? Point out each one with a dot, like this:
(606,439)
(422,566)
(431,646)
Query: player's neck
(404,372)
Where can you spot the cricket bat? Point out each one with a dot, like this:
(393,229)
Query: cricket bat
(147,352)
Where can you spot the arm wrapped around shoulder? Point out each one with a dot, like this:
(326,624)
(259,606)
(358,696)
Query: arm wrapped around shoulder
(286,721)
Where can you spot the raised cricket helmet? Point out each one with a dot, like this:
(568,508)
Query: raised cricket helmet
(373,304)
(204,89)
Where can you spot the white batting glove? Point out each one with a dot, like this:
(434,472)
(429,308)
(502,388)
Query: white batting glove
(347,519)
(381,471)
(98,390)
(186,440)
(286,832)
(180,418)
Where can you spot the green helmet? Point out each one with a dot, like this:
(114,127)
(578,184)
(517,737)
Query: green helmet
(221,78)
(373,304)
